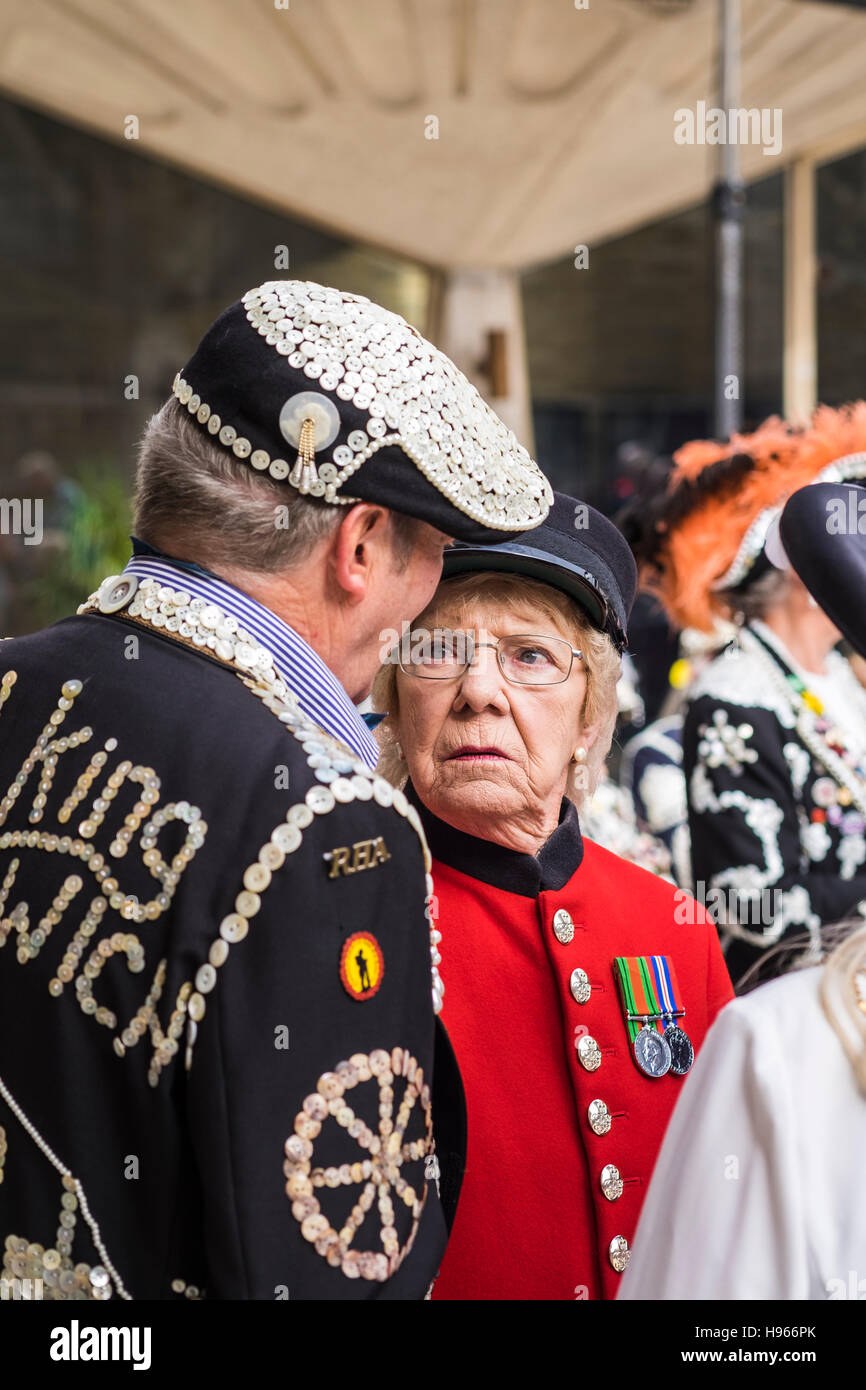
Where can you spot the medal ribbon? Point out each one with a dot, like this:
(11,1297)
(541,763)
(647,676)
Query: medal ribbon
(629,1007)
(652,997)
(667,986)
(638,992)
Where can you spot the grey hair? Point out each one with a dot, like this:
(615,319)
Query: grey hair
(601,662)
(757,599)
(196,500)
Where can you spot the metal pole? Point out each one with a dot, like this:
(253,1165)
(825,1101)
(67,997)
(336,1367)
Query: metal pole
(728,208)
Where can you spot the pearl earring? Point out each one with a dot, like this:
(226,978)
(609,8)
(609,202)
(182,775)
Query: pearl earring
(579,755)
(398,748)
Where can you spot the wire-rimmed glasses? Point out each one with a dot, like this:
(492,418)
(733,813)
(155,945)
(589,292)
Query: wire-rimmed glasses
(524,658)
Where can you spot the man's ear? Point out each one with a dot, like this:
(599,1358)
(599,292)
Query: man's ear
(362,543)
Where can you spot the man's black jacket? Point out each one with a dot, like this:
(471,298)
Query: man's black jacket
(171,1016)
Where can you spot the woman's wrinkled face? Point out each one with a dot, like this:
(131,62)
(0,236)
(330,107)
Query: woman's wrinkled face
(481,752)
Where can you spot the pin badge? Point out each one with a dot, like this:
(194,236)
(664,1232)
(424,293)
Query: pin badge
(362,965)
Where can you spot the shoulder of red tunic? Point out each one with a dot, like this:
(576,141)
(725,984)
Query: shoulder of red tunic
(600,863)
(673,910)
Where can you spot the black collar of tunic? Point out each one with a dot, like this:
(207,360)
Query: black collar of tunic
(526,874)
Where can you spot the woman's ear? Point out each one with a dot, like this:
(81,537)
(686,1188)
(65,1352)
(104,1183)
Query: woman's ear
(392,763)
(391,726)
(589,734)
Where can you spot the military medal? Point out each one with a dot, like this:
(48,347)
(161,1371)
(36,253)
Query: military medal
(678,1040)
(651,1050)
(643,1015)
(682,1050)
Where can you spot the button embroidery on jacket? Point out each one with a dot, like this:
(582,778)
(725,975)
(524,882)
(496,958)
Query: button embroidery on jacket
(378,1170)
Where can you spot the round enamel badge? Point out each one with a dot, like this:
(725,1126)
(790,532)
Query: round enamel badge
(362,965)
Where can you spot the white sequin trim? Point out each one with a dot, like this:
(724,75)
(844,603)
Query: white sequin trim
(750,547)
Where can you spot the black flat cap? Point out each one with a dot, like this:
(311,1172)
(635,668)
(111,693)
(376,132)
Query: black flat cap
(346,402)
(823,531)
(576,550)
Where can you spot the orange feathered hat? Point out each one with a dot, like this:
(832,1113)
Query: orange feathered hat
(722,498)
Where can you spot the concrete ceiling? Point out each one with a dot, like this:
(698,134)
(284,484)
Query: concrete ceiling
(555,124)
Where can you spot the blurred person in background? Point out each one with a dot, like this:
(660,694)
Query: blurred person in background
(774,750)
(652,638)
(651,766)
(770,1171)
(37,523)
(74,531)
(60,498)
(649,769)
(608,816)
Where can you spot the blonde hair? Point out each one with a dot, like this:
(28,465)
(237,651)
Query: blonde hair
(839,997)
(841,952)
(600,659)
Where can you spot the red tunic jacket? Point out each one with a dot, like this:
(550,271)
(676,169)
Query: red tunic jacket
(533,1221)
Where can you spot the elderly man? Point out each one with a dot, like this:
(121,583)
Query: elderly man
(202,1091)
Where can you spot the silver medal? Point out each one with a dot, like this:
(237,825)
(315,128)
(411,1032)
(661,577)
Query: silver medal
(681,1048)
(651,1052)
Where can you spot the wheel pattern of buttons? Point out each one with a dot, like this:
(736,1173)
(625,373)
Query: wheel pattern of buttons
(378,1171)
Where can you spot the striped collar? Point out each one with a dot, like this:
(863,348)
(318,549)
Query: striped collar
(320,694)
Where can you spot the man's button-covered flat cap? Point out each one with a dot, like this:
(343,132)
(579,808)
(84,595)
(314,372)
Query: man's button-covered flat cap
(345,401)
(576,550)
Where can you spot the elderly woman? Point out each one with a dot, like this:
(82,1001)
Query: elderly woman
(572,987)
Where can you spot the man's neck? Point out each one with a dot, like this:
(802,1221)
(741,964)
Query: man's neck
(285,600)
(295,603)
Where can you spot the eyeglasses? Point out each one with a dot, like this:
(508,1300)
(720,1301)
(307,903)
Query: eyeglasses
(524,659)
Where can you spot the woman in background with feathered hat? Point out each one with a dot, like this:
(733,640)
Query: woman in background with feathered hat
(789,1120)
(775,731)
